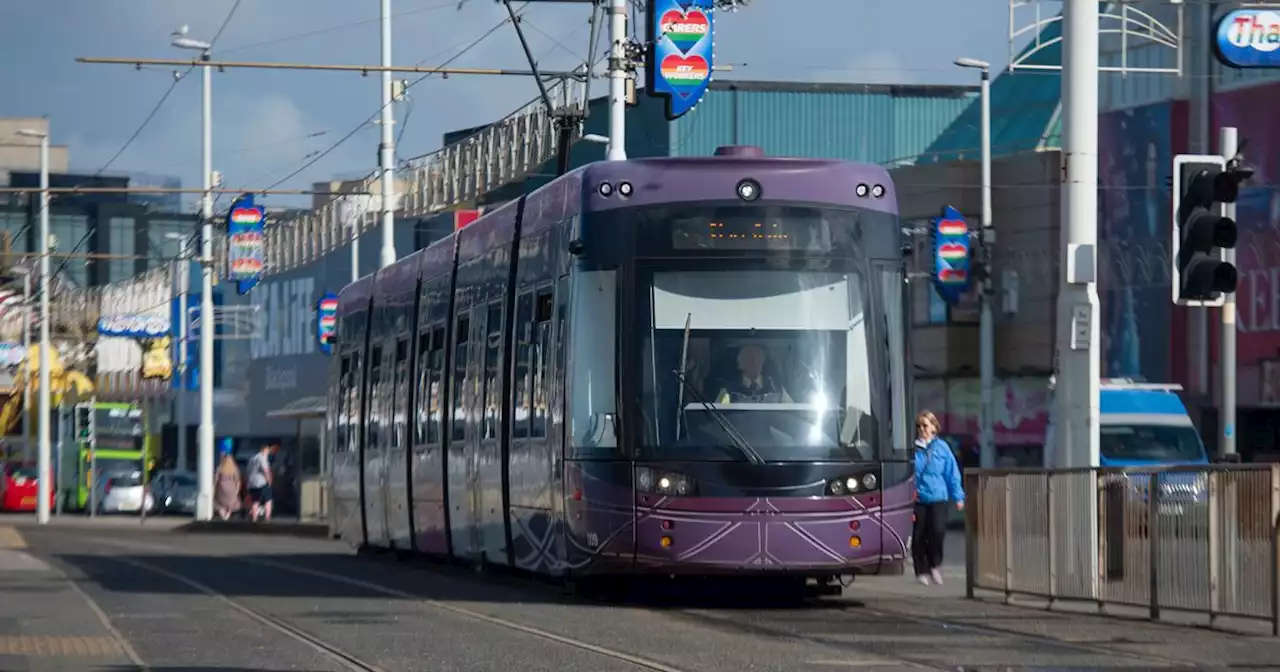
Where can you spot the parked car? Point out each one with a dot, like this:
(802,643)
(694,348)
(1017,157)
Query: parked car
(123,492)
(19,488)
(174,492)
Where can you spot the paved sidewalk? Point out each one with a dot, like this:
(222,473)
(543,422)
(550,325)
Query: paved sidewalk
(47,624)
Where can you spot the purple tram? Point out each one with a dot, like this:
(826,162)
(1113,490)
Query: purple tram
(692,366)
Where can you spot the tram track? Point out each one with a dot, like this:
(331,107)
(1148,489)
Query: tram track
(722,620)
(343,658)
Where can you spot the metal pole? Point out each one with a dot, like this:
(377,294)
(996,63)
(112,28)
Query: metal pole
(1229,142)
(987,337)
(1201,82)
(60,462)
(617,80)
(204,468)
(387,150)
(93,461)
(44,471)
(1077,366)
(180,410)
(27,443)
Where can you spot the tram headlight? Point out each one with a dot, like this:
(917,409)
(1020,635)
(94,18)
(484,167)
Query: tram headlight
(877,191)
(749,190)
(853,485)
(624,189)
(605,189)
(664,482)
(862,190)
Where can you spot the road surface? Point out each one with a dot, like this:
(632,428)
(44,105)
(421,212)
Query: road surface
(101,596)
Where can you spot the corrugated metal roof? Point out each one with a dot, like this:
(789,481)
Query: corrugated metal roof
(872,123)
(1025,112)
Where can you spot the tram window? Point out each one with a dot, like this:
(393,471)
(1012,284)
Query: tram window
(458,426)
(594,343)
(492,382)
(354,413)
(343,407)
(400,396)
(541,360)
(435,391)
(374,400)
(422,414)
(562,348)
(524,346)
(895,336)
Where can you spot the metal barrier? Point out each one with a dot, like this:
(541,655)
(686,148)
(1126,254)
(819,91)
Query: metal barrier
(1202,539)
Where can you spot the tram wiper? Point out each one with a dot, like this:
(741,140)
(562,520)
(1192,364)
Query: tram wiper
(739,441)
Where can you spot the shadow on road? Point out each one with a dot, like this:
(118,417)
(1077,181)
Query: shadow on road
(286,576)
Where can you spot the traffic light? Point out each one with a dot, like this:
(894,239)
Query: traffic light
(1200,232)
(84,423)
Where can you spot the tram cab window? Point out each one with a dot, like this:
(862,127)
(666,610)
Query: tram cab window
(592,367)
(781,356)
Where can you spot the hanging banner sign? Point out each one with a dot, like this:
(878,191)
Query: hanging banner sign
(950,255)
(1248,38)
(245,241)
(681,52)
(327,322)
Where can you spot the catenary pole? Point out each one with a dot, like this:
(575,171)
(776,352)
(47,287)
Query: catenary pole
(387,149)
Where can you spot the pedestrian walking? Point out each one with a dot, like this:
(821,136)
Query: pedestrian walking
(938,486)
(260,483)
(226,491)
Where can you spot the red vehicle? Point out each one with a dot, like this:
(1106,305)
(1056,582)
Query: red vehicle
(18,488)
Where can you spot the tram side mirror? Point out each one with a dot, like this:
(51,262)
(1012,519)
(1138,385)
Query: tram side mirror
(576,247)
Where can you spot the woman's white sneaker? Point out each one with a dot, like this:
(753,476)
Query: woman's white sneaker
(937,576)
(924,579)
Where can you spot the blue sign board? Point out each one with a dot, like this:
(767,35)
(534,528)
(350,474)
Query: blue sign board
(951,249)
(1249,38)
(246,239)
(192,372)
(681,52)
(135,326)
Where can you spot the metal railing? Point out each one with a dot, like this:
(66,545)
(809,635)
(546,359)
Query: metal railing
(1201,539)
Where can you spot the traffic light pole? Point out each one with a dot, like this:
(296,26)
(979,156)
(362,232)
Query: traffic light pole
(1229,143)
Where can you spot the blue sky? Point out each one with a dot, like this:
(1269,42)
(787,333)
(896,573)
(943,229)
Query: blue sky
(262,119)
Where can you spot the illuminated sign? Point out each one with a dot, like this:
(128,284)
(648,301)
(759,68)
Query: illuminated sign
(681,52)
(950,255)
(1248,38)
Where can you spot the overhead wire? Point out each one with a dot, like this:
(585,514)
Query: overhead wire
(474,43)
(137,132)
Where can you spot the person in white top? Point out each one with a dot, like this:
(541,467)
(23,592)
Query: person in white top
(259,473)
(752,385)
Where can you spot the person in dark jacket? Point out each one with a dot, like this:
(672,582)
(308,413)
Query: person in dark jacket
(938,486)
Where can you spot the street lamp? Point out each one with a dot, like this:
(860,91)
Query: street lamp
(986,328)
(44,434)
(204,467)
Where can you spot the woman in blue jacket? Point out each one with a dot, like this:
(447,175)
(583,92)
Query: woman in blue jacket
(938,485)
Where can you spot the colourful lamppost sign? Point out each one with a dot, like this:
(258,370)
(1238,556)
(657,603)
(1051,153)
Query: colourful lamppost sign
(327,322)
(681,52)
(951,248)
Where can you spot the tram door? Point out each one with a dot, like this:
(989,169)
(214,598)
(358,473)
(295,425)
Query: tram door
(490,502)
(375,450)
(462,428)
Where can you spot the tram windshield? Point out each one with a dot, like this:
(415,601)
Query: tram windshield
(758,365)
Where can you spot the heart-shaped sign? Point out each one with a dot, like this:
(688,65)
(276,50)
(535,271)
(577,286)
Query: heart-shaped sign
(685,73)
(685,29)
(952,275)
(951,251)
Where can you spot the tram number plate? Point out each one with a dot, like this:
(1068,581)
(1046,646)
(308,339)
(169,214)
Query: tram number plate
(593,540)
(28,501)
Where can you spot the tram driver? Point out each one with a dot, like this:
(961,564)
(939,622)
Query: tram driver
(752,384)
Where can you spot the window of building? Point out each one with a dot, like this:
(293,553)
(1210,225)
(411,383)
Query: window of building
(121,242)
